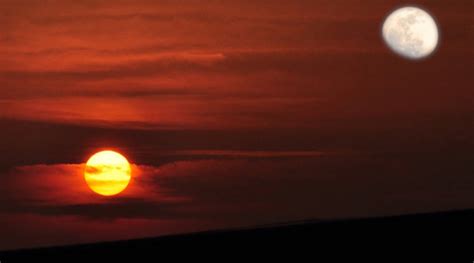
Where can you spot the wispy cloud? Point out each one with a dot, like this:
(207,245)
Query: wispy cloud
(223,189)
(237,190)
(224,65)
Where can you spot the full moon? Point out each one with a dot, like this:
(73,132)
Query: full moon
(107,173)
(410,32)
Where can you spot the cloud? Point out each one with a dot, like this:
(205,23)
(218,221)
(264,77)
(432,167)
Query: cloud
(234,190)
(252,89)
(244,190)
(221,189)
(118,209)
(222,66)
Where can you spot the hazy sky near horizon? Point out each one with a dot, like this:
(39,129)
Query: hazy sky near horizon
(233,113)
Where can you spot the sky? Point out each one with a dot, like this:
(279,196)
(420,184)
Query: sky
(232,113)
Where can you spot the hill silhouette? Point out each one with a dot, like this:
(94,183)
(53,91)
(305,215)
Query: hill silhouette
(431,234)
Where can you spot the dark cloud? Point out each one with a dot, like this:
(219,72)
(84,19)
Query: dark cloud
(253,190)
(111,211)
(75,143)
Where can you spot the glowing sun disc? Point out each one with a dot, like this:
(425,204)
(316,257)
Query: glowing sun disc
(107,173)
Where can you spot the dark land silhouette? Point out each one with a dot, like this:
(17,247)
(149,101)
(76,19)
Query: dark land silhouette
(431,235)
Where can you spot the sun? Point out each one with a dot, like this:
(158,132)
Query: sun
(107,173)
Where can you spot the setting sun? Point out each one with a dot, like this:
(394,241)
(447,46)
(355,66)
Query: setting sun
(107,173)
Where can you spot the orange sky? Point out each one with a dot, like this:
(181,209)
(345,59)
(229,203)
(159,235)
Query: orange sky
(234,113)
(223,65)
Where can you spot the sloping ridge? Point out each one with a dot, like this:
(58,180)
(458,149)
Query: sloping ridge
(432,231)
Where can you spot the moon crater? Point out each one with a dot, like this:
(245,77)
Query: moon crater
(410,32)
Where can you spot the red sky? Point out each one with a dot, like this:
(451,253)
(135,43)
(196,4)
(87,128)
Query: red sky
(235,113)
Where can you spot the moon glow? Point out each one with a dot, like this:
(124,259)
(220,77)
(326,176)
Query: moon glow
(107,173)
(411,32)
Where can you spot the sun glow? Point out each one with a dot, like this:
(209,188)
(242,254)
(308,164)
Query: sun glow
(107,173)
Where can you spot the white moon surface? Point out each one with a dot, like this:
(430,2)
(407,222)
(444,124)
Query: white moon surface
(411,32)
